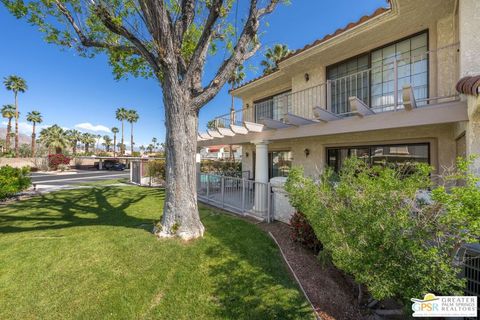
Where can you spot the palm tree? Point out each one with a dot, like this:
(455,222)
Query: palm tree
(54,137)
(114,131)
(88,139)
(107,142)
(97,138)
(273,56)
(121,115)
(74,136)
(132,117)
(16,84)
(34,117)
(8,112)
(154,143)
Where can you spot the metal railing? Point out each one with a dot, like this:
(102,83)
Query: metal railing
(242,196)
(432,76)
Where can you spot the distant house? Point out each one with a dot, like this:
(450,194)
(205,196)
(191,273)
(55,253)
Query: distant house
(221,152)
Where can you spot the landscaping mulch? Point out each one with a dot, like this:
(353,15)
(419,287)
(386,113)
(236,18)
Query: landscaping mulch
(330,292)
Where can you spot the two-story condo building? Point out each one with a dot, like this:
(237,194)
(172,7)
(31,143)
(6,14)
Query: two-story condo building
(383,88)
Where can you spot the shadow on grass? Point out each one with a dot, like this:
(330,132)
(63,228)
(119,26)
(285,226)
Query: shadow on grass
(251,280)
(98,206)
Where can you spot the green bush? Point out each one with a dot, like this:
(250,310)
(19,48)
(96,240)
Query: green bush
(222,167)
(156,170)
(13,180)
(378,228)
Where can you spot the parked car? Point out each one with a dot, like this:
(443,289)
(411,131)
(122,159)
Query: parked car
(111,165)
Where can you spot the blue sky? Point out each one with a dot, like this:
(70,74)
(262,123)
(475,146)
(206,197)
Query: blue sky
(75,92)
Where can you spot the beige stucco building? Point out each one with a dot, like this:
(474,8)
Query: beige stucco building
(382,88)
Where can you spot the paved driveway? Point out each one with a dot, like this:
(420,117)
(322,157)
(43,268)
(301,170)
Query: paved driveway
(47,181)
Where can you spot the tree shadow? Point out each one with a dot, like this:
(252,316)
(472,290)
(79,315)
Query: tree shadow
(251,280)
(96,206)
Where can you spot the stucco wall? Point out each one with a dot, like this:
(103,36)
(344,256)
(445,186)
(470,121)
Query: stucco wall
(469,24)
(440,137)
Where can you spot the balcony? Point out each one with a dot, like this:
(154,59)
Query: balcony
(401,82)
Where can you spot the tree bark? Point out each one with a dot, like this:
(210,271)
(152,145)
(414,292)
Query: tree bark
(33,140)
(16,126)
(180,213)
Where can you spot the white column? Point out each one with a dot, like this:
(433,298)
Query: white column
(261,175)
(261,161)
(100,164)
(469,25)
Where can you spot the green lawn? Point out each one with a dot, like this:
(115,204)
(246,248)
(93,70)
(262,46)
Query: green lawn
(88,254)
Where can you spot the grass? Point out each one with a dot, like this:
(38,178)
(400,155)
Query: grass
(88,254)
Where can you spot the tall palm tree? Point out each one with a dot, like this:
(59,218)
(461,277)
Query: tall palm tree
(114,131)
(74,136)
(88,139)
(154,142)
(273,56)
(132,117)
(34,117)
(107,142)
(54,137)
(97,140)
(121,115)
(15,84)
(8,112)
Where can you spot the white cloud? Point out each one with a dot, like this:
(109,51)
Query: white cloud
(90,127)
(25,127)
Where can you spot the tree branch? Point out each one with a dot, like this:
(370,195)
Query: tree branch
(204,41)
(239,55)
(186,18)
(120,30)
(86,41)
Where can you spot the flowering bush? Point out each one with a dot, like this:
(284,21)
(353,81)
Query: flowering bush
(54,160)
(13,180)
(377,226)
(303,233)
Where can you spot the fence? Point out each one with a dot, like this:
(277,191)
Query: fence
(471,270)
(242,196)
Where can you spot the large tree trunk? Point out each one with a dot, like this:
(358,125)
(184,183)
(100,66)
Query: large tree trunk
(7,138)
(33,140)
(16,126)
(180,213)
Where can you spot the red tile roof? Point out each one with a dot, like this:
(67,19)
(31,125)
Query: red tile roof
(469,85)
(337,32)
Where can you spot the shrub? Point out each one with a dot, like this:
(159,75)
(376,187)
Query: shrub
(54,160)
(222,167)
(156,170)
(376,228)
(303,233)
(13,180)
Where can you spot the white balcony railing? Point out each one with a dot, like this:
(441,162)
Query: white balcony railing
(432,76)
